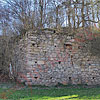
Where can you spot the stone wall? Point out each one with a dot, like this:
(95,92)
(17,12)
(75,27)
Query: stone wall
(48,58)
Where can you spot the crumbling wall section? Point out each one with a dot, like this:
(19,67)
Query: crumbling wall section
(50,58)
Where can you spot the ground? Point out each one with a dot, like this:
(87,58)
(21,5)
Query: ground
(16,92)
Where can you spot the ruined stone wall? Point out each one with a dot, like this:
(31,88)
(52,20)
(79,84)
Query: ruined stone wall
(50,58)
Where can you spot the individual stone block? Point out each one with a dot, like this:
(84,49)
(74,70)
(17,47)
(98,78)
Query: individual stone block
(41,62)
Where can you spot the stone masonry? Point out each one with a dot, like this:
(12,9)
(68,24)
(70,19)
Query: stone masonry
(48,58)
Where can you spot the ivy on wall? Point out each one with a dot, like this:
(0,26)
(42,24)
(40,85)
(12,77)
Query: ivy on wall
(95,47)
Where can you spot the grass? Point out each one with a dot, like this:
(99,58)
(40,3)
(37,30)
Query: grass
(51,93)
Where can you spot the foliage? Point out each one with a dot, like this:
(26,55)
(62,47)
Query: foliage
(4,55)
(92,46)
(7,46)
(95,47)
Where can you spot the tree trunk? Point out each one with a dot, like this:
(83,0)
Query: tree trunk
(41,13)
(82,12)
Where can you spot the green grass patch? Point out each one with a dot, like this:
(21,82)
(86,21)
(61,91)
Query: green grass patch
(51,93)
